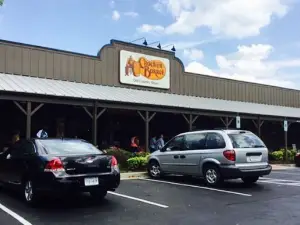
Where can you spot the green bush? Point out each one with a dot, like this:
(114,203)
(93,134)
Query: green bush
(292,154)
(142,154)
(276,155)
(121,155)
(279,155)
(137,163)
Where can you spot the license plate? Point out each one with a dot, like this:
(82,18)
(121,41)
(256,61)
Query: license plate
(254,158)
(91,181)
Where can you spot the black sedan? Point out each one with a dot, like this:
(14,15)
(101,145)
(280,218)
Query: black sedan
(40,166)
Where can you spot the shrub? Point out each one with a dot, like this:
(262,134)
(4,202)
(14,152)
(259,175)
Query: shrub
(143,154)
(279,155)
(292,154)
(137,163)
(121,155)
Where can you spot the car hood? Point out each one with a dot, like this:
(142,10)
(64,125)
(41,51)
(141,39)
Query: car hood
(155,153)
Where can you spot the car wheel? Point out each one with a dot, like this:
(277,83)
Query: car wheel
(154,170)
(98,195)
(29,191)
(250,180)
(212,175)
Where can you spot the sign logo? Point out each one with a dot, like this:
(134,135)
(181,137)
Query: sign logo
(144,70)
(151,69)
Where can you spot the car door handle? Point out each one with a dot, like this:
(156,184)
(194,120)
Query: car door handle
(176,156)
(182,157)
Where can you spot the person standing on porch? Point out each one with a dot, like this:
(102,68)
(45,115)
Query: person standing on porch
(160,142)
(15,137)
(42,133)
(152,145)
(134,144)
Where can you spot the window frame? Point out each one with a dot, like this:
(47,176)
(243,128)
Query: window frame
(215,133)
(202,133)
(164,149)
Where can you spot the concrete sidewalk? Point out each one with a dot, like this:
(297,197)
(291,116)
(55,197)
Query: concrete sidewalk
(283,166)
(133,175)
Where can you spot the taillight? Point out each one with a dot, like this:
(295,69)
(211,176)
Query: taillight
(114,161)
(298,154)
(55,165)
(114,164)
(229,154)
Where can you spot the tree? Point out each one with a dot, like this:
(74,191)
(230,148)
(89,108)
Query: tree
(1,2)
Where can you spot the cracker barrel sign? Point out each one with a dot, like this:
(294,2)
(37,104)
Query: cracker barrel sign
(144,70)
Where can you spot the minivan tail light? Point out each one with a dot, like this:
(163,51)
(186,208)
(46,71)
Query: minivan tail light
(229,154)
(55,165)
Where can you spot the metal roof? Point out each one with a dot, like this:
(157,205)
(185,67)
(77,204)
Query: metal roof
(58,88)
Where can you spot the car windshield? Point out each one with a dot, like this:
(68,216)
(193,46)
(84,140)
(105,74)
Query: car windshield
(67,147)
(246,140)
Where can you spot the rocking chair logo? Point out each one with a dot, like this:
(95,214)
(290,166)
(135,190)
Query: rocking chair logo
(138,69)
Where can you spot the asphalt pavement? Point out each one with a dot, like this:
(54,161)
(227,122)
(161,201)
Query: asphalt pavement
(173,200)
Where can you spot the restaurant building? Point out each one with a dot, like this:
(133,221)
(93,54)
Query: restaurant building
(128,89)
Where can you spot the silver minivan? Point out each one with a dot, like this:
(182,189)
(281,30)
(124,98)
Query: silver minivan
(215,155)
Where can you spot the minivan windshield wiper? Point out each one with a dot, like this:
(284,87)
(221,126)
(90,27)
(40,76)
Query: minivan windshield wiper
(258,146)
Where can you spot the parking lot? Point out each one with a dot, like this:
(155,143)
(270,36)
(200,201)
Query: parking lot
(174,200)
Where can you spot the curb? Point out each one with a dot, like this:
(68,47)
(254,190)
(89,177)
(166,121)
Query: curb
(282,167)
(134,175)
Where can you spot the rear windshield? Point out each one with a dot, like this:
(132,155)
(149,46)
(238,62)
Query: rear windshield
(67,147)
(246,140)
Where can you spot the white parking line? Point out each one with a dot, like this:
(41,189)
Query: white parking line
(14,215)
(278,179)
(295,183)
(139,199)
(199,187)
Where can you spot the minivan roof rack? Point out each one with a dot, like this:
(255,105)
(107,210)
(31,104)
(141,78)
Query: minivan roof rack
(224,128)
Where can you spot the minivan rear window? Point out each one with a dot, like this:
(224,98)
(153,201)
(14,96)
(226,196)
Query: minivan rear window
(67,147)
(245,140)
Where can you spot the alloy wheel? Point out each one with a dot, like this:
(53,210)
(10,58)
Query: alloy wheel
(211,176)
(155,170)
(28,191)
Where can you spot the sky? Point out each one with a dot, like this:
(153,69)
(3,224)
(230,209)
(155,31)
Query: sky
(256,41)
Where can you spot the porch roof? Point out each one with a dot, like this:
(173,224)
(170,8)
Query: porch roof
(49,87)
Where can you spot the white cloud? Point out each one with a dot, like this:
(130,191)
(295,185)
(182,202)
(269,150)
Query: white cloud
(252,64)
(193,54)
(231,18)
(131,14)
(146,28)
(112,3)
(195,67)
(116,15)
(181,45)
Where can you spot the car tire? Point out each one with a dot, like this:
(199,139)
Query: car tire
(30,194)
(98,195)
(154,170)
(250,180)
(212,175)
